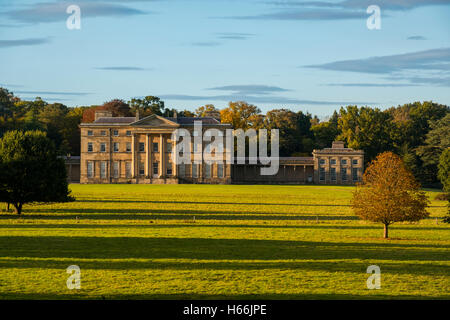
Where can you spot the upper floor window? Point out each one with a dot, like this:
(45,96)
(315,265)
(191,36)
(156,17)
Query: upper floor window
(128,133)
(141,147)
(169,147)
(128,146)
(116,133)
(333,161)
(322,161)
(103,133)
(355,161)
(90,133)
(344,162)
(102,147)
(90,147)
(116,147)
(155,147)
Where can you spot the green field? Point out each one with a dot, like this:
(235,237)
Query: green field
(218,242)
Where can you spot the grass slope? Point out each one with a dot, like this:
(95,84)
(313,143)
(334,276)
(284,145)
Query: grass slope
(202,241)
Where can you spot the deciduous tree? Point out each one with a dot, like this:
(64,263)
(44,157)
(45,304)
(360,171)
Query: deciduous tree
(31,170)
(389,193)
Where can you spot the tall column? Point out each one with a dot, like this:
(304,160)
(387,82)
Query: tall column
(304,175)
(161,155)
(147,156)
(174,160)
(133,156)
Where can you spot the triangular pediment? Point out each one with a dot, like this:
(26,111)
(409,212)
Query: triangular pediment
(155,121)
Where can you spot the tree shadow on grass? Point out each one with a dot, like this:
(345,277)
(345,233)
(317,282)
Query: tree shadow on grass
(74,247)
(161,214)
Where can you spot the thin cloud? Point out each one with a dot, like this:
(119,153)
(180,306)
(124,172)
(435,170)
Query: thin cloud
(378,85)
(234,36)
(259,99)
(249,89)
(23,42)
(434,59)
(51,93)
(310,14)
(205,44)
(416,38)
(51,12)
(122,68)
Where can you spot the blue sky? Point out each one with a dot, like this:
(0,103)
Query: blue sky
(304,55)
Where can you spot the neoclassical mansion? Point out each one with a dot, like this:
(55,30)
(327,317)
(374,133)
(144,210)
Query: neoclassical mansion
(139,151)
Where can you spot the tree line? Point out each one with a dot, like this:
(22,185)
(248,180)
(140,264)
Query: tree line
(417,132)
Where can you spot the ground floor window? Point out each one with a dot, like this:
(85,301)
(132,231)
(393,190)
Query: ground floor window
(116,169)
(195,171)
(220,170)
(207,170)
(355,174)
(90,169)
(141,168)
(155,168)
(322,174)
(182,170)
(103,170)
(128,169)
(169,170)
(333,174)
(344,174)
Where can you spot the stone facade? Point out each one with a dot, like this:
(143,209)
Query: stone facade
(132,150)
(338,165)
(139,151)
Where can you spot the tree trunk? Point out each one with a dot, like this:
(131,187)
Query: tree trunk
(18,207)
(386,235)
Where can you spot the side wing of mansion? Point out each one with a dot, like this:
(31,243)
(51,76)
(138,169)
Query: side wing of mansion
(139,151)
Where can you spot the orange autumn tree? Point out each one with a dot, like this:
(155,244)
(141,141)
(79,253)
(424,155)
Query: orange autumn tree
(389,193)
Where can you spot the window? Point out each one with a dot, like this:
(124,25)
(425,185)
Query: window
(207,170)
(128,169)
(322,161)
(333,161)
(169,147)
(116,169)
(103,170)
(169,170)
(102,147)
(355,174)
(333,174)
(141,169)
(90,133)
(322,174)
(128,146)
(344,174)
(156,168)
(220,170)
(116,147)
(90,169)
(90,147)
(116,133)
(103,133)
(195,171)
(155,147)
(141,147)
(355,161)
(344,162)
(128,133)
(182,170)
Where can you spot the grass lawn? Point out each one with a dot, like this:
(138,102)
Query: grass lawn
(214,242)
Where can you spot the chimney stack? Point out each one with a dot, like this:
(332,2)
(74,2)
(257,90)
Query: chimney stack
(137,115)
